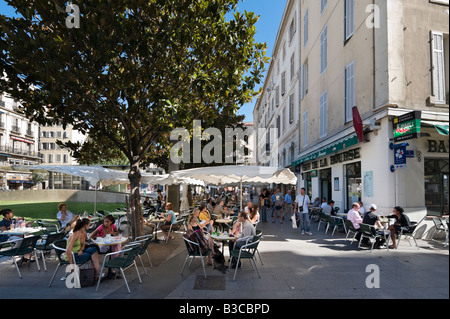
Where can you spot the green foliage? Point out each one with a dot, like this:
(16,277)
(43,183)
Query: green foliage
(133,71)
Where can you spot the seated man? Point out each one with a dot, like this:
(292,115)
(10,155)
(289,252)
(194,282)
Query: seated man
(354,216)
(372,218)
(329,208)
(219,211)
(242,231)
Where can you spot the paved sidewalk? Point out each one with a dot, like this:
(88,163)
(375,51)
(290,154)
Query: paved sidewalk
(295,267)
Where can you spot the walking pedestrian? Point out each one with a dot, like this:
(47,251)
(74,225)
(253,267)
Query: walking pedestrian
(302,203)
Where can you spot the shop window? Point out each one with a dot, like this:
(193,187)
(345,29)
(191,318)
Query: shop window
(353,182)
(436,186)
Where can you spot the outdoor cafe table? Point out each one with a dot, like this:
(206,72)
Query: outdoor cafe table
(110,241)
(223,221)
(224,238)
(23,231)
(157,221)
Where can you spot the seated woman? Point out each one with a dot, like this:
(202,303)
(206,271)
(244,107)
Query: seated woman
(205,220)
(76,245)
(253,214)
(107,228)
(401,221)
(194,226)
(170,219)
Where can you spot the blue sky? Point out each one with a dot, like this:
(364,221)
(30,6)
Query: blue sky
(270,12)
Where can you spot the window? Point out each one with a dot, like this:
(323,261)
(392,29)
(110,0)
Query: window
(323,114)
(50,158)
(304,80)
(323,5)
(292,29)
(305,27)
(438,67)
(277,96)
(324,50)
(349,18)
(284,120)
(349,97)
(283,83)
(291,108)
(305,128)
(292,66)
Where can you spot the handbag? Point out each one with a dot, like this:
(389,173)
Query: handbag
(300,209)
(87,277)
(294,221)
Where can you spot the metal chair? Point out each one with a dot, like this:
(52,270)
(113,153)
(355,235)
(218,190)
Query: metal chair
(26,246)
(194,250)
(46,245)
(333,222)
(246,252)
(144,241)
(48,226)
(121,263)
(408,232)
(350,229)
(61,254)
(322,219)
(440,225)
(259,235)
(368,231)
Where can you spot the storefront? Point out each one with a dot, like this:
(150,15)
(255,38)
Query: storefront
(333,172)
(347,170)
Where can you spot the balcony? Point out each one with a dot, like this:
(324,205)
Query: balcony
(15,129)
(8,149)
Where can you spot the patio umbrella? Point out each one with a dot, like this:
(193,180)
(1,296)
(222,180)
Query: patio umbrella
(92,174)
(238,174)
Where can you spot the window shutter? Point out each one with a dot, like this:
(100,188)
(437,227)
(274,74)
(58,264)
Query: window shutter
(438,66)
(349,18)
(349,91)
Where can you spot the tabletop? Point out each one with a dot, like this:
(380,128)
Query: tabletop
(21,231)
(224,221)
(222,237)
(113,240)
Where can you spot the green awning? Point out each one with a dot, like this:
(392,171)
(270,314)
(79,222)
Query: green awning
(335,147)
(442,129)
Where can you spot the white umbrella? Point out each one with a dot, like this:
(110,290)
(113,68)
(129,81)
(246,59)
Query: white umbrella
(92,174)
(229,175)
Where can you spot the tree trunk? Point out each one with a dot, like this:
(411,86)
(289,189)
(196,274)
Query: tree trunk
(135,210)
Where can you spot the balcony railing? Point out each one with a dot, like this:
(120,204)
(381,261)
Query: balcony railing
(7,149)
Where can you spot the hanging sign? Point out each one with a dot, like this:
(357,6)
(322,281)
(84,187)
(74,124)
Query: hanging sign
(407,126)
(400,156)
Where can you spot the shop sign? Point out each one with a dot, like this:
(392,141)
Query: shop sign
(407,126)
(400,156)
(437,146)
(334,159)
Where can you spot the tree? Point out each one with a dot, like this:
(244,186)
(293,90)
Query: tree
(131,72)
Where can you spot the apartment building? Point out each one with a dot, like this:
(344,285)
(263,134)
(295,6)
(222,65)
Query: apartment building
(276,112)
(389,59)
(18,145)
(52,154)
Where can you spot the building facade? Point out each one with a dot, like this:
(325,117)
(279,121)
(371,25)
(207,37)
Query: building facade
(52,154)
(376,61)
(275,116)
(18,145)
